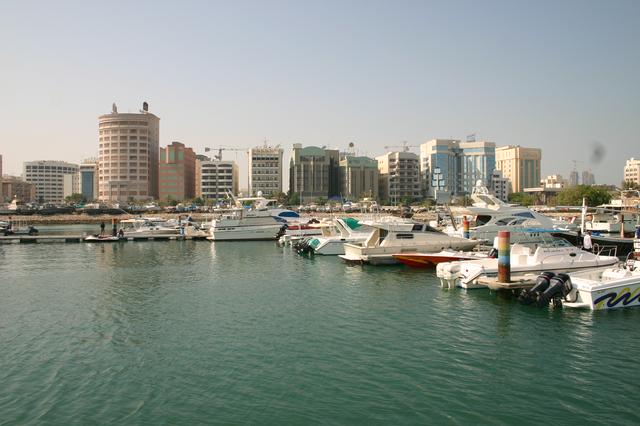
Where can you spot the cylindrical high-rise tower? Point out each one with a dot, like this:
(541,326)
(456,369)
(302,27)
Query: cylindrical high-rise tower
(128,156)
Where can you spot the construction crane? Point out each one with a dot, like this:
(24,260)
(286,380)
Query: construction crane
(405,146)
(223,148)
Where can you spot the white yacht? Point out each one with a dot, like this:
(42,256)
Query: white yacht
(555,255)
(389,237)
(490,215)
(147,227)
(241,223)
(608,220)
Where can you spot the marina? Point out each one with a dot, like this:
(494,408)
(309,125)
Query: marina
(138,332)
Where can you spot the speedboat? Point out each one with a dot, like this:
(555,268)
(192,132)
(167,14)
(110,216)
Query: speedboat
(611,288)
(555,255)
(334,237)
(103,238)
(430,260)
(389,237)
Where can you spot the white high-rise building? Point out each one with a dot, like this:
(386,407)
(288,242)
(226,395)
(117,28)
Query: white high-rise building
(128,155)
(265,169)
(49,179)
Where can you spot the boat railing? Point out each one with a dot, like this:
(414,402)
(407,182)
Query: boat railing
(605,250)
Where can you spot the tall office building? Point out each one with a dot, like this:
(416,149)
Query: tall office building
(265,170)
(399,176)
(632,171)
(128,155)
(177,176)
(573,178)
(588,178)
(457,165)
(49,179)
(88,179)
(359,177)
(520,165)
(217,178)
(314,172)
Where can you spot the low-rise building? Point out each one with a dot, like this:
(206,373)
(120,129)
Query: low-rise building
(14,187)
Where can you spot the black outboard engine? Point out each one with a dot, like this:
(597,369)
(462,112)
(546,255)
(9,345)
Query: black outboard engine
(493,253)
(559,288)
(527,297)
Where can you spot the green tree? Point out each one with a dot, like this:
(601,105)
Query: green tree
(75,199)
(522,198)
(628,184)
(198,201)
(294,198)
(573,196)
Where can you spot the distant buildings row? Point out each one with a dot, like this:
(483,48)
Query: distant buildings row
(131,166)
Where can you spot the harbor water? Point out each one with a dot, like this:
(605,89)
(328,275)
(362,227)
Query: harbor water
(193,332)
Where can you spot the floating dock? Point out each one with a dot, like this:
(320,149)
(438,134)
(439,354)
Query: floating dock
(75,238)
(517,282)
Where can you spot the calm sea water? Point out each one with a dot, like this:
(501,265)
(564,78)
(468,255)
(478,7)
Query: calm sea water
(249,333)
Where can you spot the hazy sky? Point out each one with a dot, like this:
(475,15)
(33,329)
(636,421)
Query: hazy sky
(559,75)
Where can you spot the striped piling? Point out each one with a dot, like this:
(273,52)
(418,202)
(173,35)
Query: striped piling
(465,228)
(504,257)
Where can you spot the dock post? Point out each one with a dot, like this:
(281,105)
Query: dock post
(621,225)
(465,228)
(504,257)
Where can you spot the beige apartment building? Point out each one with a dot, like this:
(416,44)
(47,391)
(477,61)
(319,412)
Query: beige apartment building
(177,175)
(265,170)
(632,171)
(399,176)
(520,165)
(128,155)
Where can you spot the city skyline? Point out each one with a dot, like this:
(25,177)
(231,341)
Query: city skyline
(560,77)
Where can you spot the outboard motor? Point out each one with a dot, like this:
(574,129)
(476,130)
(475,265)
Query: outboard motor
(559,288)
(493,253)
(527,297)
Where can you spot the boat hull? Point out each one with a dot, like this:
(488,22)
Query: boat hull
(245,233)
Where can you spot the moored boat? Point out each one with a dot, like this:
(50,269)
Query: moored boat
(555,255)
(431,260)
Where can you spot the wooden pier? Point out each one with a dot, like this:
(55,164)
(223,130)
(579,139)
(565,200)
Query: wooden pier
(75,238)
